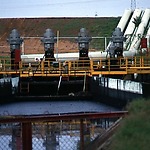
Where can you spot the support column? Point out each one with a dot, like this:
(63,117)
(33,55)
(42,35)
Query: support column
(27,136)
(81,135)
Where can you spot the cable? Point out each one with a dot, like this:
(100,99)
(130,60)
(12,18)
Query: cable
(49,4)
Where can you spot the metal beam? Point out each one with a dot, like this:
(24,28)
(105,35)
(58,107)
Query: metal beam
(27,136)
(58,117)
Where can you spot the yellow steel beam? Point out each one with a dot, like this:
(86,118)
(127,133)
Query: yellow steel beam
(140,65)
(95,73)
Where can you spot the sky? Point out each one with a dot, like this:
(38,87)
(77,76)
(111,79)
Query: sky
(68,8)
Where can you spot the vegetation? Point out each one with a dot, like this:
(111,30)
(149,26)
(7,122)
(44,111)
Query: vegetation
(67,27)
(134,132)
(97,26)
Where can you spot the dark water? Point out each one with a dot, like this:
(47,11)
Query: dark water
(52,107)
(47,107)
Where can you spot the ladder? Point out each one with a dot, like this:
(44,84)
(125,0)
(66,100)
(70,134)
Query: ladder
(24,87)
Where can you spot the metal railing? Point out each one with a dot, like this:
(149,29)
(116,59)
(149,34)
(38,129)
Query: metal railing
(32,45)
(77,67)
(54,132)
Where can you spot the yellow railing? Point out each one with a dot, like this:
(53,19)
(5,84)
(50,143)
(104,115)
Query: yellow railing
(76,67)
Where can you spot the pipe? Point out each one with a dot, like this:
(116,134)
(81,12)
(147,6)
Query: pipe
(140,31)
(122,23)
(148,38)
(124,19)
(131,27)
(59,84)
(63,56)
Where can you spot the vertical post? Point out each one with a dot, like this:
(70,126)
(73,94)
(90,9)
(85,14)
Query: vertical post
(69,68)
(42,66)
(84,83)
(81,135)
(50,141)
(91,67)
(134,61)
(126,64)
(27,136)
(142,61)
(105,42)
(57,44)
(16,138)
(20,66)
(23,48)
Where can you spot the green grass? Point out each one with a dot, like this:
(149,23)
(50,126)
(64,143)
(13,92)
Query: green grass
(97,26)
(134,131)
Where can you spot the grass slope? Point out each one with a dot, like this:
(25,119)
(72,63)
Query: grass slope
(134,132)
(97,26)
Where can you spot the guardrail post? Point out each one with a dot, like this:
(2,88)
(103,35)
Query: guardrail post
(81,135)
(126,64)
(27,136)
(69,68)
(42,66)
(91,67)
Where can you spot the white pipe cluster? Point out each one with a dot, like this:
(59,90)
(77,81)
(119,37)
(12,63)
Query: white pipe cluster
(136,42)
(131,26)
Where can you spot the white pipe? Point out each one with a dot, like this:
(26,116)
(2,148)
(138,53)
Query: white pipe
(136,42)
(59,83)
(146,17)
(124,19)
(129,53)
(63,56)
(148,32)
(148,38)
(122,23)
(131,26)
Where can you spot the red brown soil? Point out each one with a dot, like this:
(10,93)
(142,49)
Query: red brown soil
(35,46)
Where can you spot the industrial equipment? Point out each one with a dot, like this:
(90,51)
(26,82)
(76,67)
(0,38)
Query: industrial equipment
(83,44)
(49,40)
(15,41)
(115,49)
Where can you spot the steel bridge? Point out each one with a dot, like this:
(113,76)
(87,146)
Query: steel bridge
(76,68)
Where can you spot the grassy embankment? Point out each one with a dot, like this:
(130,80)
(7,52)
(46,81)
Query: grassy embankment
(97,26)
(67,27)
(134,131)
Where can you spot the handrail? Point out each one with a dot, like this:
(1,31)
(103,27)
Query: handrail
(76,67)
(58,117)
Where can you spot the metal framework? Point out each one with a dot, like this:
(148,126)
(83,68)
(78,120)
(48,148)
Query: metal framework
(23,127)
(77,68)
(133,4)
